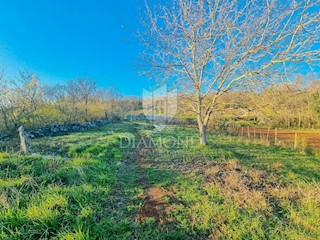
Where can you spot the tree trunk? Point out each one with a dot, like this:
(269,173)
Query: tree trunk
(299,121)
(203,134)
(202,123)
(86,109)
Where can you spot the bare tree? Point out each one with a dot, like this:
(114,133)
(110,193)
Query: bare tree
(209,47)
(20,99)
(72,91)
(86,87)
(112,102)
(59,97)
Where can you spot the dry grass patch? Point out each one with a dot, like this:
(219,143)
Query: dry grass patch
(212,171)
(248,188)
(3,201)
(257,190)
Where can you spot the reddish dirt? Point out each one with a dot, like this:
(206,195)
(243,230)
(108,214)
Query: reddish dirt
(155,205)
(155,198)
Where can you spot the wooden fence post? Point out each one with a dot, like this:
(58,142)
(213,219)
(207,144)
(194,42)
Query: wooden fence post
(296,141)
(268,133)
(260,133)
(275,135)
(248,129)
(24,144)
(254,133)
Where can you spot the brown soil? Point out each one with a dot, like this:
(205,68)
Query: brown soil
(155,199)
(155,205)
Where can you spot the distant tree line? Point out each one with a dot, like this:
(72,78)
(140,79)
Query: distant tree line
(25,100)
(293,105)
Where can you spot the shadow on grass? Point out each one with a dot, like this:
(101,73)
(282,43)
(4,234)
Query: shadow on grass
(306,167)
(289,164)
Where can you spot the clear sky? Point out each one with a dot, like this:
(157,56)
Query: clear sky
(60,40)
(64,39)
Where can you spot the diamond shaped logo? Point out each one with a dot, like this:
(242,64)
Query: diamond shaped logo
(160,106)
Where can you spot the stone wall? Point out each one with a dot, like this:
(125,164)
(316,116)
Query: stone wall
(56,129)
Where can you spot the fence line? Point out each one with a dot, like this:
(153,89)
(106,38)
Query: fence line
(288,138)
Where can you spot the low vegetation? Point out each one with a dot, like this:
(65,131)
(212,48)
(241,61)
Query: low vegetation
(98,185)
(239,81)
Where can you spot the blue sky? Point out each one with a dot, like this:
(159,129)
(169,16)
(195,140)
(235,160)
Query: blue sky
(64,39)
(60,40)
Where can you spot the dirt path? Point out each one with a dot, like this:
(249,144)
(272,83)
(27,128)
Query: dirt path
(154,198)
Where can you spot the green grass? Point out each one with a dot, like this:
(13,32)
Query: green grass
(85,186)
(286,162)
(75,196)
(286,207)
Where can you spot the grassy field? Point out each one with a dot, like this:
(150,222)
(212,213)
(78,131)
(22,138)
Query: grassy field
(127,181)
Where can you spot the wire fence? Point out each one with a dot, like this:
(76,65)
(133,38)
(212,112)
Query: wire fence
(307,141)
